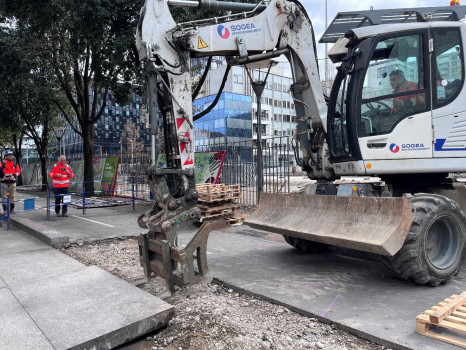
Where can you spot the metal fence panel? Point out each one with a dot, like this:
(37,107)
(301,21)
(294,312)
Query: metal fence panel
(240,166)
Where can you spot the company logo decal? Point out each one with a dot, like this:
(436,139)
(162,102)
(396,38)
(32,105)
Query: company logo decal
(237,29)
(223,32)
(394,148)
(244,28)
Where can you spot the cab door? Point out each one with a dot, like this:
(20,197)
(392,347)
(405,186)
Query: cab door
(395,120)
(448,95)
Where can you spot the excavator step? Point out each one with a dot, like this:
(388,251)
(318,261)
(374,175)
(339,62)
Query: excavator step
(450,316)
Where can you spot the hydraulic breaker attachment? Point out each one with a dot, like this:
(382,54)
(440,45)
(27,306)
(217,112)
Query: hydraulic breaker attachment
(158,249)
(373,224)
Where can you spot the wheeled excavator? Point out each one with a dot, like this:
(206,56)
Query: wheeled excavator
(381,155)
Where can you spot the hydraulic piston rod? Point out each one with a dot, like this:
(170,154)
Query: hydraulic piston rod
(217,5)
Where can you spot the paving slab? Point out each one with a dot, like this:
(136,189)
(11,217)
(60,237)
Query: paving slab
(91,309)
(14,241)
(359,295)
(26,268)
(54,297)
(18,330)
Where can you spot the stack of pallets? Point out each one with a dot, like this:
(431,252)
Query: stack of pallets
(445,321)
(219,201)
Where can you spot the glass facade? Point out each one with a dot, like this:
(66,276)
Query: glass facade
(108,128)
(229,121)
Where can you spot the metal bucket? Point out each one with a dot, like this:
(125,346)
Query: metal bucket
(373,224)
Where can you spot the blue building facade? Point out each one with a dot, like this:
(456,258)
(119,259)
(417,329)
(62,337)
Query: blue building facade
(229,121)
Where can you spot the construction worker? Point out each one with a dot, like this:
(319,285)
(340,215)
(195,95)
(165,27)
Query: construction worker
(400,84)
(454,2)
(61,174)
(9,172)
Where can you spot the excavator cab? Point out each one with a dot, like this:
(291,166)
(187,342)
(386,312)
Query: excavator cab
(403,81)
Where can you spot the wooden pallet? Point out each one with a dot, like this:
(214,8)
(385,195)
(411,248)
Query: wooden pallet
(450,316)
(210,209)
(215,216)
(210,193)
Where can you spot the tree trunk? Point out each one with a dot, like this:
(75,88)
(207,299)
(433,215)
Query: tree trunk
(88,153)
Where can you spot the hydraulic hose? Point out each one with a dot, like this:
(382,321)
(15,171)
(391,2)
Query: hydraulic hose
(214,102)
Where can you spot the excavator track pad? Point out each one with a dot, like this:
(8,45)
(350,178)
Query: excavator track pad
(372,224)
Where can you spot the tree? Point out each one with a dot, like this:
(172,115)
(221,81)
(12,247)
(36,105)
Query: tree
(88,45)
(27,106)
(130,136)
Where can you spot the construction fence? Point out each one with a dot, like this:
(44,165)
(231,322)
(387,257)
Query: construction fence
(122,177)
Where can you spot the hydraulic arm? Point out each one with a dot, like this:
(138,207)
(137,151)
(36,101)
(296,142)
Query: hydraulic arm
(257,33)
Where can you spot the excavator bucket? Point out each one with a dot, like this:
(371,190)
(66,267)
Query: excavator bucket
(372,224)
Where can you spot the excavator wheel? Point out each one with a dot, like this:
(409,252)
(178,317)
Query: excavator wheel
(306,246)
(434,247)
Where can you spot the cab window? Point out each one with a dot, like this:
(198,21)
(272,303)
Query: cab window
(394,85)
(447,65)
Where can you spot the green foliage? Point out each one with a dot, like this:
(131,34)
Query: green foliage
(85,48)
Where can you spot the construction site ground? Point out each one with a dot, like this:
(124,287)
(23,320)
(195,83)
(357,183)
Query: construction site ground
(351,291)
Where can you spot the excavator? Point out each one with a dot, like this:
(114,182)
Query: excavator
(382,149)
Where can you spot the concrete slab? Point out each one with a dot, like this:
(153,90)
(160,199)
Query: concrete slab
(91,309)
(36,224)
(2,284)
(26,268)
(18,330)
(359,295)
(98,223)
(14,241)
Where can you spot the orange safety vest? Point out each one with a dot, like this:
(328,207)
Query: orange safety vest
(63,169)
(9,168)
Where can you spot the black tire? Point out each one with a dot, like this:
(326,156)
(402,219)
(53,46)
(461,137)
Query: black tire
(434,248)
(306,246)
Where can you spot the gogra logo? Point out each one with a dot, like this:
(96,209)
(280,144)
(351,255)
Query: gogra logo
(412,145)
(223,32)
(246,26)
(394,148)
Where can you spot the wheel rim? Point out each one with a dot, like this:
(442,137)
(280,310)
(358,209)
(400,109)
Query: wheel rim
(442,244)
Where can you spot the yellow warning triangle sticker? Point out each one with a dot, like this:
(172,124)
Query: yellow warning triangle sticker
(201,44)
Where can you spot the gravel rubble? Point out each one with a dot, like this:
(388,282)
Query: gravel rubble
(212,316)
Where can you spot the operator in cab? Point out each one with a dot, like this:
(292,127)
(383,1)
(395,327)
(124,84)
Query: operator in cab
(400,84)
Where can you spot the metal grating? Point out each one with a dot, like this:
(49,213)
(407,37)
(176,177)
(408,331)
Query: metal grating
(345,21)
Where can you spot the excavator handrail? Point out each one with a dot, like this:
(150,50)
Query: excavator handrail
(345,21)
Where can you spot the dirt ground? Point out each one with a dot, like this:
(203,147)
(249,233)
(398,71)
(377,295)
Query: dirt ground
(214,317)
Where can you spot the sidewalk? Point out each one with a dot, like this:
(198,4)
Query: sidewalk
(51,301)
(355,292)
(95,225)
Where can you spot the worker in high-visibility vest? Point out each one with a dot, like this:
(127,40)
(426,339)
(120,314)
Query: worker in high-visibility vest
(61,174)
(454,2)
(9,171)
